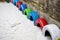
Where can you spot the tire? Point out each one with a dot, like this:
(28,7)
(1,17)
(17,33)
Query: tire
(27,11)
(33,16)
(51,30)
(7,1)
(15,2)
(19,4)
(23,7)
(11,1)
(41,22)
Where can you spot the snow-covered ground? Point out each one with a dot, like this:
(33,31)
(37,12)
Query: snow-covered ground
(15,26)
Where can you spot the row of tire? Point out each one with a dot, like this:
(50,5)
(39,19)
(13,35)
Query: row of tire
(50,30)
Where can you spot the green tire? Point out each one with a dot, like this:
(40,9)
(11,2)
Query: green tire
(27,11)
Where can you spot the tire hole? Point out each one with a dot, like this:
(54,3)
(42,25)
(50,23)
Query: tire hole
(31,18)
(47,34)
(17,5)
(38,25)
(25,13)
(20,9)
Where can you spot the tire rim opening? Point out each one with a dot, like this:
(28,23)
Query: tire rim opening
(47,34)
(31,18)
(20,9)
(38,25)
(17,5)
(25,13)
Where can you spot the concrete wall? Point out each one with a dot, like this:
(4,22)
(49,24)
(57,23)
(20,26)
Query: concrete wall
(51,7)
(2,0)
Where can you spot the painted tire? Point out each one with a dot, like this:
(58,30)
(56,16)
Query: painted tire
(7,1)
(11,1)
(41,22)
(23,7)
(15,2)
(27,11)
(19,4)
(51,30)
(33,16)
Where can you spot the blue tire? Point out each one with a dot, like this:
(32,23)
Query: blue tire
(15,2)
(33,16)
(23,7)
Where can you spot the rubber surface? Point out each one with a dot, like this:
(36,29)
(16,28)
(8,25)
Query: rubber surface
(7,1)
(23,7)
(15,2)
(11,1)
(41,22)
(34,16)
(53,30)
(27,11)
(19,4)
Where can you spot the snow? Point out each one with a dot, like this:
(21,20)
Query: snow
(15,26)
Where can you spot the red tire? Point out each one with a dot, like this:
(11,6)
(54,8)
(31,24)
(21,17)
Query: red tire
(41,22)
(11,1)
(19,3)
